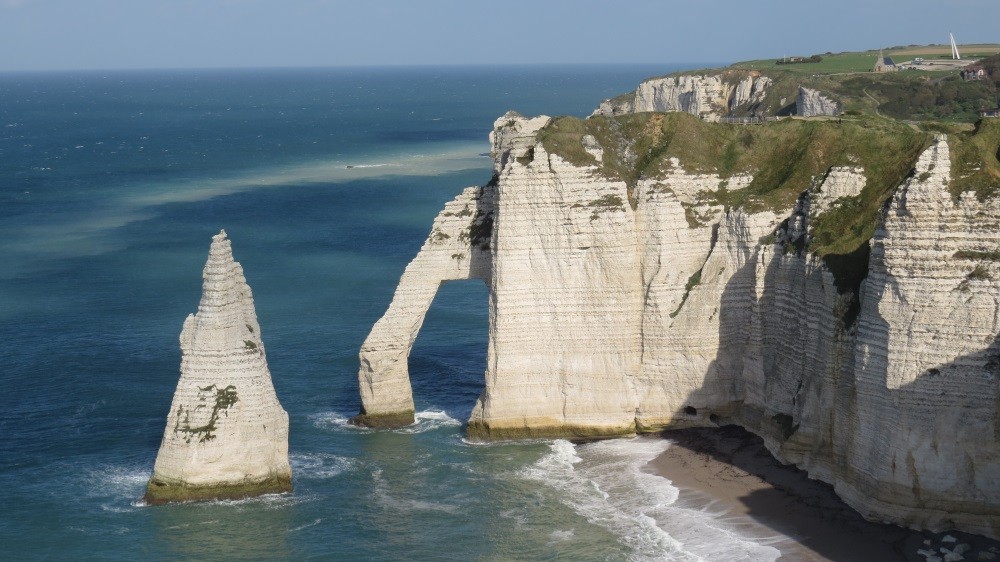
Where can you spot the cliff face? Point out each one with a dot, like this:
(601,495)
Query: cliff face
(707,96)
(636,283)
(562,249)
(927,359)
(226,433)
(812,103)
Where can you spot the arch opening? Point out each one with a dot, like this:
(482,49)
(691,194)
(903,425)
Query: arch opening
(448,360)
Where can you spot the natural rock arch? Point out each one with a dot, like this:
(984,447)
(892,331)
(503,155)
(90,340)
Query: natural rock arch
(458,247)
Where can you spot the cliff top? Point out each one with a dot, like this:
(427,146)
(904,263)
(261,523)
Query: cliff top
(933,59)
(928,86)
(784,157)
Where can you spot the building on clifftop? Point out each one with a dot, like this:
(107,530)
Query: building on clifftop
(884,63)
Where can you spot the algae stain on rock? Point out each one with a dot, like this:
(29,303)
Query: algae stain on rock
(225,398)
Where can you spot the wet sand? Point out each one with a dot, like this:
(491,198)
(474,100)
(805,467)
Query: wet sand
(728,469)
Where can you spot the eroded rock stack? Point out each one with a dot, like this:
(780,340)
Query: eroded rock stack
(227,434)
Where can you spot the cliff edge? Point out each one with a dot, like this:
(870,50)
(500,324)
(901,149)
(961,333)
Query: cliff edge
(832,287)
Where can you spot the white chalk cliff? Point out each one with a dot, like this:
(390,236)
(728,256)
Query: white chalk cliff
(617,309)
(226,434)
(812,103)
(716,96)
(708,96)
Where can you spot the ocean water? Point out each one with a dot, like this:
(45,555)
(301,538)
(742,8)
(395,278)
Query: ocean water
(111,186)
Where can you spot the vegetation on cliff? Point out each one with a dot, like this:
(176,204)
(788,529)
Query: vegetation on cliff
(785,158)
(911,94)
(975,160)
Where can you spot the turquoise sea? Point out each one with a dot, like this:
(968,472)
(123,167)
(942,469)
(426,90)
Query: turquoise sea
(111,186)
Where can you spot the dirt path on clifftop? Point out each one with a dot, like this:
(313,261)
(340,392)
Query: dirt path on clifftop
(877,103)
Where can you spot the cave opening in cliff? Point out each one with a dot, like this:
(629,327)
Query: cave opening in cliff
(448,358)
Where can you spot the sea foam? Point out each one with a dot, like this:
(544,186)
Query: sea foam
(604,482)
(319,466)
(424,421)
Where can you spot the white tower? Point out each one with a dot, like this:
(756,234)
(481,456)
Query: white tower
(954,48)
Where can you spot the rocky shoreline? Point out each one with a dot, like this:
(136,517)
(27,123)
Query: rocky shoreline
(729,468)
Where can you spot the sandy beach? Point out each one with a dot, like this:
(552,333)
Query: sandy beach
(728,470)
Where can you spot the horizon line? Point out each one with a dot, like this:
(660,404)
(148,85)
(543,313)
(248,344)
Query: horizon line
(350,66)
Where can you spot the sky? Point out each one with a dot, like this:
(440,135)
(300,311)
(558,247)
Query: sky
(132,34)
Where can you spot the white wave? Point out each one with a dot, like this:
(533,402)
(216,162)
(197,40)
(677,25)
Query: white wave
(556,537)
(337,422)
(429,420)
(605,483)
(188,525)
(102,530)
(268,501)
(504,442)
(319,465)
(306,526)
(111,508)
(112,479)
(120,486)
(518,516)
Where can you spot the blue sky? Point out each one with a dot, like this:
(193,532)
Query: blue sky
(112,34)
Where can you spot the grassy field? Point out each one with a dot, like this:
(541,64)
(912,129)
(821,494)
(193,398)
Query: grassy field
(840,63)
(831,64)
(967,51)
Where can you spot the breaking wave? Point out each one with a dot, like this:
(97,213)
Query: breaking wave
(427,420)
(604,482)
(116,488)
(337,422)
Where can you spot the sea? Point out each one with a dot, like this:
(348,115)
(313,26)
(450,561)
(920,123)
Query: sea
(326,180)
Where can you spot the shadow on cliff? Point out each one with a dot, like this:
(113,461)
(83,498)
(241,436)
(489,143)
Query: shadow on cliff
(928,439)
(805,365)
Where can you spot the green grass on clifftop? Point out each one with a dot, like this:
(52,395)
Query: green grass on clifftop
(864,61)
(830,64)
(975,160)
(785,158)
(917,95)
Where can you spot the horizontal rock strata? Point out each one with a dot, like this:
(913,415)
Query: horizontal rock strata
(227,434)
(707,96)
(457,248)
(617,308)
